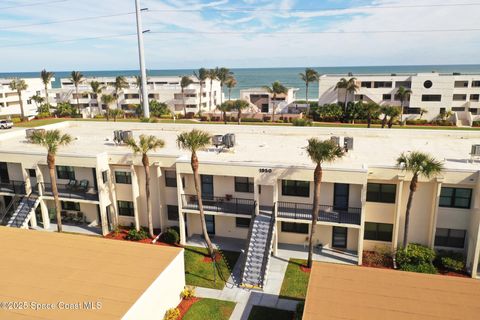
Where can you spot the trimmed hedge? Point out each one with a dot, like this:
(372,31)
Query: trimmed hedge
(416,258)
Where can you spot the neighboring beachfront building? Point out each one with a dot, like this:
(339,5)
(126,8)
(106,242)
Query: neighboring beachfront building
(262,101)
(266,172)
(435,92)
(162,89)
(63,276)
(10,100)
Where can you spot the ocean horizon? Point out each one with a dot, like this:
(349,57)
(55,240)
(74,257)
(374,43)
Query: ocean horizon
(258,77)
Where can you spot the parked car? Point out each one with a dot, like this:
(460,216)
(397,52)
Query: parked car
(6,124)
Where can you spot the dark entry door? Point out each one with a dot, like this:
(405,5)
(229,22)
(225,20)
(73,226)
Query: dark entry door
(340,196)
(210,221)
(4,178)
(207,187)
(339,238)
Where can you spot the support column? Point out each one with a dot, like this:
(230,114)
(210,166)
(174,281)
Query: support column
(181,218)
(43,206)
(135,195)
(256,196)
(433,218)
(103,217)
(161,200)
(398,213)
(361,231)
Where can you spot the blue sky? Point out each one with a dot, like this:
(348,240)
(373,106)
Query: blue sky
(270,33)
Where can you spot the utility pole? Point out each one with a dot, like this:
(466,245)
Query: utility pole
(141,54)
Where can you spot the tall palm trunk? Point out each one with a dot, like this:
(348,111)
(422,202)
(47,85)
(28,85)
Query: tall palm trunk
(53,180)
(46,94)
(107,112)
(273,108)
(146,167)
(306,91)
(384,121)
(184,105)
(317,177)
(78,99)
(239,116)
(229,93)
(196,179)
(224,117)
(369,120)
(401,112)
(413,188)
(22,111)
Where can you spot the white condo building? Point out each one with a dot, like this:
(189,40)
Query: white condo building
(162,89)
(434,92)
(10,100)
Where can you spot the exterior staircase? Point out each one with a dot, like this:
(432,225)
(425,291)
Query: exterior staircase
(257,255)
(23,212)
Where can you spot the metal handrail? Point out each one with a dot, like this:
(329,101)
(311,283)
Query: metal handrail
(247,247)
(268,247)
(12,203)
(220,204)
(16,186)
(23,204)
(66,191)
(327,213)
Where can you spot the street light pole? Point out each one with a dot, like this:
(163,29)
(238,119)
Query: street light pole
(141,54)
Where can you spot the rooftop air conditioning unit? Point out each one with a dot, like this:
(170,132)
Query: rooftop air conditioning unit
(348,143)
(336,140)
(117,136)
(127,135)
(29,132)
(476,150)
(229,140)
(217,140)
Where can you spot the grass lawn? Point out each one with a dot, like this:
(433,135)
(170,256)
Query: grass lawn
(42,122)
(211,309)
(264,313)
(295,283)
(200,273)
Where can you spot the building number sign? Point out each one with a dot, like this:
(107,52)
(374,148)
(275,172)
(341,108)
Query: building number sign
(265,170)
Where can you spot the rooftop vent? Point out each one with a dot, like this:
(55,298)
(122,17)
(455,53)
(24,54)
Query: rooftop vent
(120,136)
(336,140)
(475,150)
(348,143)
(217,140)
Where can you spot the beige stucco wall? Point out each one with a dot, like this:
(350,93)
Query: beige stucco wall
(88,209)
(224,226)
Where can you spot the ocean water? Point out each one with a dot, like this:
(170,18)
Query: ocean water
(258,77)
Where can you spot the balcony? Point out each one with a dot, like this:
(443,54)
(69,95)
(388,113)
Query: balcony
(15,187)
(303,211)
(71,192)
(220,204)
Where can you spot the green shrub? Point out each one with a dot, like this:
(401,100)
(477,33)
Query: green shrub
(251,120)
(16,119)
(476,124)
(172,314)
(43,115)
(450,260)
(171,236)
(416,258)
(420,268)
(135,235)
(417,122)
(65,109)
(301,122)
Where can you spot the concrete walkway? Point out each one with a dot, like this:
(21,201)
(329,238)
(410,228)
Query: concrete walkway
(246,298)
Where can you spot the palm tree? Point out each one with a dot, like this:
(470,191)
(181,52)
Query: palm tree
(46,79)
(52,140)
(143,147)
(223,75)
(19,85)
(224,108)
(194,141)
(422,112)
(120,84)
(212,75)
(418,164)
(319,152)
(231,83)
(115,113)
(393,113)
(385,111)
(371,109)
(308,76)
(77,78)
(240,105)
(185,82)
(402,95)
(107,100)
(202,76)
(349,86)
(97,90)
(275,89)
(38,100)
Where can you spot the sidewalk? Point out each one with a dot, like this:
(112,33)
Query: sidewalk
(247,298)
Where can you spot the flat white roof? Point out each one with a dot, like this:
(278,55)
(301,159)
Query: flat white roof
(263,144)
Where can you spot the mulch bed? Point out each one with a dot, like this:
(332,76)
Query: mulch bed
(373,259)
(185,305)
(305,269)
(121,235)
(208,259)
(450,273)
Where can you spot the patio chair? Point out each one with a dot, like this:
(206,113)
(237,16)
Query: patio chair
(72,184)
(83,185)
(79,218)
